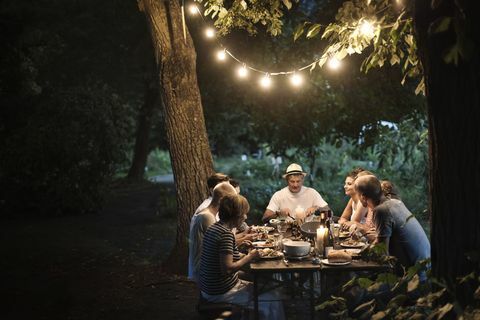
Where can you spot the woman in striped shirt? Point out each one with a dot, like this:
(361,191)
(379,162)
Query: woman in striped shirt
(221,261)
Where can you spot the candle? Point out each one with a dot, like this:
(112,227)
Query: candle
(320,239)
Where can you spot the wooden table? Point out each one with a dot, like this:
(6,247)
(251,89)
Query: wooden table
(266,268)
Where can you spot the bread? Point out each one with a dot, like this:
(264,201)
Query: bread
(337,256)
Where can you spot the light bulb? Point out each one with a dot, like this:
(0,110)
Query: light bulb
(210,33)
(266,82)
(367,29)
(193,9)
(242,71)
(221,55)
(296,80)
(334,63)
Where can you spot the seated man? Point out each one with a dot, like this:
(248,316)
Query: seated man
(212,181)
(201,221)
(395,225)
(295,200)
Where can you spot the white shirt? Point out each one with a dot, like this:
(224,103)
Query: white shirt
(204,205)
(304,199)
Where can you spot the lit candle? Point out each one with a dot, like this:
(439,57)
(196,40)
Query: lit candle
(320,239)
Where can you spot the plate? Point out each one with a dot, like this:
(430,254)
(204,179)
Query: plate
(353,251)
(327,263)
(351,245)
(262,244)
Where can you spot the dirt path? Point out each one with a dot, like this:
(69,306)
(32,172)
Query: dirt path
(103,266)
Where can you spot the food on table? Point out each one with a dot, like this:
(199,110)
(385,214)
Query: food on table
(268,253)
(351,242)
(344,234)
(268,243)
(339,256)
(262,229)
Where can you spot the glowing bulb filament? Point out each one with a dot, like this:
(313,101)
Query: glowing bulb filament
(296,80)
(367,29)
(242,71)
(221,55)
(333,63)
(210,33)
(266,82)
(193,9)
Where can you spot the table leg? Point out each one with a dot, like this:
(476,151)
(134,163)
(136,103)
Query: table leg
(312,297)
(255,295)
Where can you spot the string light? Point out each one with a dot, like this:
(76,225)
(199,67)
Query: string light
(367,29)
(296,79)
(242,71)
(193,9)
(221,55)
(210,33)
(266,81)
(334,63)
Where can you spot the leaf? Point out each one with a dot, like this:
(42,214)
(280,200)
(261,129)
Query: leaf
(364,306)
(341,54)
(364,282)
(243,4)
(298,31)
(441,24)
(413,284)
(397,301)
(394,59)
(313,31)
(420,87)
(388,278)
(379,315)
(287,4)
(223,12)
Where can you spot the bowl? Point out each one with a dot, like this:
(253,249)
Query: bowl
(309,229)
(296,248)
(274,222)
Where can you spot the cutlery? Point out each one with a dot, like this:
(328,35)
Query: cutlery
(285,261)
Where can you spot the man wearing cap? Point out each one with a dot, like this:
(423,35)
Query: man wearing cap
(295,200)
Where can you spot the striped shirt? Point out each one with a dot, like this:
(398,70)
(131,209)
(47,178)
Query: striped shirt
(218,240)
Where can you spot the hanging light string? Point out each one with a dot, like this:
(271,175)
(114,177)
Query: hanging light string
(210,33)
(365,27)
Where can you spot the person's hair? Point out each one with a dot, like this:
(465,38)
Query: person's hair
(220,190)
(369,186)
(364,173)
(234,183)
(354,173)
(389,190)
(215,179)
(232,207)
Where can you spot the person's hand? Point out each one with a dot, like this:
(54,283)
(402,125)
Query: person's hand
(345,226)
(310,211)
(254,254)
(284,213)
(249,236)
(245,245)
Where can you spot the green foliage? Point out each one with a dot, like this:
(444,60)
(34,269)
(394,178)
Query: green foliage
(388,296)
(158,162)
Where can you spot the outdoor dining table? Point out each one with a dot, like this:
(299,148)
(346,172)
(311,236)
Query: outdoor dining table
(266,268)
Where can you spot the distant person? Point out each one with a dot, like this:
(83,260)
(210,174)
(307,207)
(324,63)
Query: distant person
(212,181)
(395,225)
(354,212)
(201,221)
(295,200)
(389,190)
(221,262)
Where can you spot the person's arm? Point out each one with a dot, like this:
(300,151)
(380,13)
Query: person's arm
(228,266)
(347,213)
(269,214)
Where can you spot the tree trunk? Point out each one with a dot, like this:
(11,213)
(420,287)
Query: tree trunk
(144,125)
(184,122)
(453,97)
